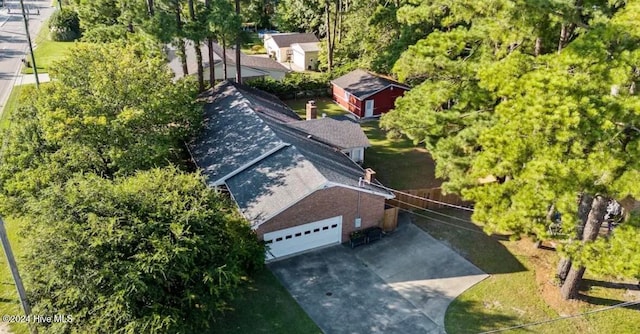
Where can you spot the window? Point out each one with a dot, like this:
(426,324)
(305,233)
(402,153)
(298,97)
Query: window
(316,230)
(298,234)
(268,242)
(288,237)
(334,225)
(325,228)
(278,239)
(307,232)
(346,96)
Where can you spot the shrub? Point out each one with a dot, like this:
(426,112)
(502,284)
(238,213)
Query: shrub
(293,83)
(105,34)
(65,25)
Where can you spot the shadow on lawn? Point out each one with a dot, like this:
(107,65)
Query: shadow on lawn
(468,317)
(469,240)
(607,302)
(588,283)
(399,164)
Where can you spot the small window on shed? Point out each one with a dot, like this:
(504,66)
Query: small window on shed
(346,96)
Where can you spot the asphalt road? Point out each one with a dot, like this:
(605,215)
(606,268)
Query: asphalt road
(13,40)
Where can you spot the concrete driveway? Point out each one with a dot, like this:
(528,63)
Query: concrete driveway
(400,284)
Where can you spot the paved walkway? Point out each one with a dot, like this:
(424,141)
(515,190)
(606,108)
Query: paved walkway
(400,284)
(27,79)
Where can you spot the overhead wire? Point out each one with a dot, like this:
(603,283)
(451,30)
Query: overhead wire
(624,304)
(422,198)
(435,219)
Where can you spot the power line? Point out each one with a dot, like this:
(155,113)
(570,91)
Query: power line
(563,318)
(422,198)
(436,219)
(432,211)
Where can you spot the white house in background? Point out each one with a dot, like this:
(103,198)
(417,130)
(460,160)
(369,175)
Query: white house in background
(251,66)
(305,55)
(279,45)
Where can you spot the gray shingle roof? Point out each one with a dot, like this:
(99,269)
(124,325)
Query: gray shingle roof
(307,47)
(224,114)
(285,40)
(242,125)
(251,61)
(257,62)
(361,84)
(272,184)
(343,133)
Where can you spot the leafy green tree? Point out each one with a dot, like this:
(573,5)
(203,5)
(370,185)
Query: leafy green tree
(157,252)
(549,128)
(226,25)
(300,15)
(196,31)
(259,12)
(110,110)
(370,35)
(94,13)
(64,25)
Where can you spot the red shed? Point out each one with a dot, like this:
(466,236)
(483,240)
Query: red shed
(365,94)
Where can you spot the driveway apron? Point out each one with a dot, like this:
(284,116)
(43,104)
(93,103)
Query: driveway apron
(400,284)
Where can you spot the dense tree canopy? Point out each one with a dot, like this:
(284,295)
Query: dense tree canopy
(548,119)
(109,111)
(158,252)
(117,236)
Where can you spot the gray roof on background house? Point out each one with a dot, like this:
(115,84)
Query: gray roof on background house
(285,40)
(343,133)
(257,62)
(251,61)
(242,125)
(361,84)
(307,47)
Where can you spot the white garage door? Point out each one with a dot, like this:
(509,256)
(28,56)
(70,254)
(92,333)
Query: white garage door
(299,59)
(304,237)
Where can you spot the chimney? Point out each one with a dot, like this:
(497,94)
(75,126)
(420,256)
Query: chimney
(312,110)
(369,175)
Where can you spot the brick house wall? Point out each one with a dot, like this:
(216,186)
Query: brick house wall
(327,203)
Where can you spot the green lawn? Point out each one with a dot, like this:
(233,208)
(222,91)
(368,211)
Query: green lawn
(9,302)
(12,103)
(253,46)
(47,51)
(325,105)
(398,163)
(520,288)
(265,306)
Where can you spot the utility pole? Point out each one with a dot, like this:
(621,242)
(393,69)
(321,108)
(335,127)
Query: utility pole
(22,295)
(60,4)
(238,65)
(33,58)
